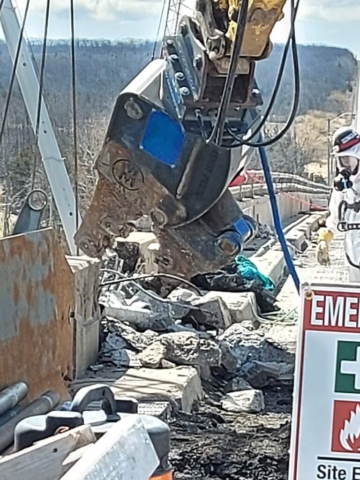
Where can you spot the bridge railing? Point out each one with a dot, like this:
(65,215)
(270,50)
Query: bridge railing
(283,182)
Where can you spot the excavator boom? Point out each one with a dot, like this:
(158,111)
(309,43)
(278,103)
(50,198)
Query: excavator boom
(158,156)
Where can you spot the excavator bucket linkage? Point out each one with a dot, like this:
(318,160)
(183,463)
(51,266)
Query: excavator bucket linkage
(155,159)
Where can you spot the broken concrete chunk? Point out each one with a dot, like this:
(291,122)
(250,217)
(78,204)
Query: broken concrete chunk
(113,342)
(167,364)
(152,356)
(241,306)
(185,348)
(180,386)
(136,247)
(129,254)
(124,358)
(238,384)
(228,359)
(283,337)
(140,314)
(262,359)
(138,341)
(244,344)
(263,374)
(211,312)
(247,401)
(183,295)
(159,306)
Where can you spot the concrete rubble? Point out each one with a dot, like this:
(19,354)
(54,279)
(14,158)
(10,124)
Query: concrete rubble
(212,335)
(206,362)
(245,401)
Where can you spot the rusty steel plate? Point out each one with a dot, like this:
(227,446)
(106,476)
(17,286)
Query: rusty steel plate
(36,298)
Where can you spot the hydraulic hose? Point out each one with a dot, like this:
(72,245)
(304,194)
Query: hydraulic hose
(276,216)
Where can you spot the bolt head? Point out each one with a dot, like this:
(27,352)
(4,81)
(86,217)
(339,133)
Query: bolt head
(159,217)
(185,91)
(180,76)
(228,247)
(133,109)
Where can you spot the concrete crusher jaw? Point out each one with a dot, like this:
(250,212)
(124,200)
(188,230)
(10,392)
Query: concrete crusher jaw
(156,159)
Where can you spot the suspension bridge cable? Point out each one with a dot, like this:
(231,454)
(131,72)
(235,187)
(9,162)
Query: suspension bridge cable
(41,84)
(159,27)
(74,112)
(13,73)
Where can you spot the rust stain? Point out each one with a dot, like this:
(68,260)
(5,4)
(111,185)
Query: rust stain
(36,294)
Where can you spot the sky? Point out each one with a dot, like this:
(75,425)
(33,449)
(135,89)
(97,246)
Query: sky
(326,22)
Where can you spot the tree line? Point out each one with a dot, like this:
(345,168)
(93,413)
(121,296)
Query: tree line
(104,68)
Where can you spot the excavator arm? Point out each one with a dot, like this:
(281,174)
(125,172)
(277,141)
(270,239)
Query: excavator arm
(158,157)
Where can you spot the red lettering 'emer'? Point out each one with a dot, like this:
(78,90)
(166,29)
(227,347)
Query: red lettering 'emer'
(332,312)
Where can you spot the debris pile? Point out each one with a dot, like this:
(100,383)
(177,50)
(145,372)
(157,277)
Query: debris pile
(198,329)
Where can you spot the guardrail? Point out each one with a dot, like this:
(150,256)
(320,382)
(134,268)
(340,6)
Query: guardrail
(283,182)
(280,177)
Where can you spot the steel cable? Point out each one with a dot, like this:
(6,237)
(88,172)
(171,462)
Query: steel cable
(41,86)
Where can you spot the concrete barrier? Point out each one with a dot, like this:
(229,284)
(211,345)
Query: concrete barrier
(289,206)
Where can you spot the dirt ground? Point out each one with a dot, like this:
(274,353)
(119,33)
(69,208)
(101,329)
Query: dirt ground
(213,444)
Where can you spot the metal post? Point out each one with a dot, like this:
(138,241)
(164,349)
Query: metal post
(53,162)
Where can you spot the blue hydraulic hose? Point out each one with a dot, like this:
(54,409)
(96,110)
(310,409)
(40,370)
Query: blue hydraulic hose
(277,220)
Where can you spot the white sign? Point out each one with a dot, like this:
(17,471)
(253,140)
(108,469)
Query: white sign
(325,439)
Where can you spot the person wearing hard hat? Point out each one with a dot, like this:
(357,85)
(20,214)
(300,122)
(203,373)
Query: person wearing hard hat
(344,206)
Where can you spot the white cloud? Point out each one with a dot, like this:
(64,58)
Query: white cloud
(103,9)
(330,10)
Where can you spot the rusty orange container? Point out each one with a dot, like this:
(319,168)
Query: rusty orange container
(166,476)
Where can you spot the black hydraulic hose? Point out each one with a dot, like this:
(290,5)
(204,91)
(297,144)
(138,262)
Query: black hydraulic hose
(218,129)
(290,41)
(292,116)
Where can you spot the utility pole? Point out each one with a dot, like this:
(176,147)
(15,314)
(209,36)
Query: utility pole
(50,153)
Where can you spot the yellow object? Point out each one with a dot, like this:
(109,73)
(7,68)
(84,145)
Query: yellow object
(262,17)
(326,235)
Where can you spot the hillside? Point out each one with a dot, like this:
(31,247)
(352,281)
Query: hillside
(104,68)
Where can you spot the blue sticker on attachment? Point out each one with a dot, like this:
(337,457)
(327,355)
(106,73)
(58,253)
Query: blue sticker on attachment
(163,138)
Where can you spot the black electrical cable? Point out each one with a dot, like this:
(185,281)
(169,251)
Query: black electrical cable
(292,116)
(152,275)
(74,112)
(13,72)
(296,100)
(159,27)
(294,11)
(41,85)
(218,129)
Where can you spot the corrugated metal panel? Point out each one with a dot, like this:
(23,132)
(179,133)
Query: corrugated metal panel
(36,298)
